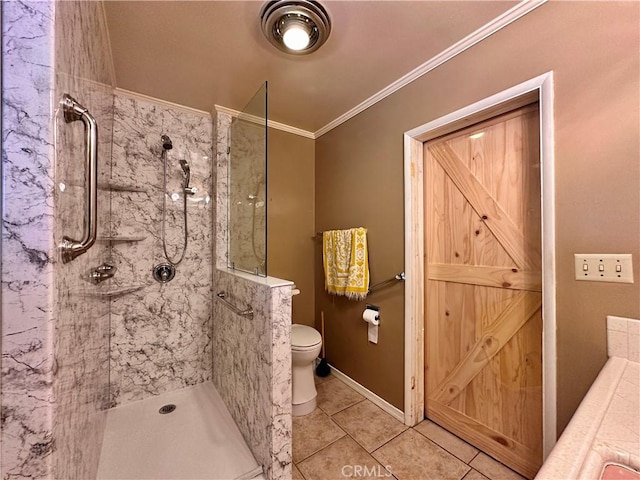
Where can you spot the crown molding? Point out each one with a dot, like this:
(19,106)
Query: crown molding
(218,108)
(469,41)
(270,123)
(498,23)
(157,101)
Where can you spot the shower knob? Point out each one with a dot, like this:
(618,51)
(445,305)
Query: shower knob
(164,272)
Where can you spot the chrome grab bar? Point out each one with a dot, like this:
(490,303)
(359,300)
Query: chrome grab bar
(74,111)
(248,312)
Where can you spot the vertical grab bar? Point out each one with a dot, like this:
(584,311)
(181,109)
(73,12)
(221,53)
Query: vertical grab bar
(73,111)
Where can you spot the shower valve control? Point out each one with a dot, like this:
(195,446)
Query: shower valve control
(164,272)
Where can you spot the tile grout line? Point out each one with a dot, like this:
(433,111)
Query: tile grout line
(342,409)
(391,439)
(357,442)
(327,445)
(471,469)
(446,449)
(347,434)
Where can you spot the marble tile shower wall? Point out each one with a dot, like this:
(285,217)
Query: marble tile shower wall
(27,241)
(54,335)
(160,334)
(81,334)
(252,372)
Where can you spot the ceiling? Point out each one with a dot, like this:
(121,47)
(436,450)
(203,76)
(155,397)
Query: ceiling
(204,53)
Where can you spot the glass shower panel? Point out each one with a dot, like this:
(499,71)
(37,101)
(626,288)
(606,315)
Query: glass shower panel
(247,178)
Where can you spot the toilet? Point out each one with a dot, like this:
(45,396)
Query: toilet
(305,347)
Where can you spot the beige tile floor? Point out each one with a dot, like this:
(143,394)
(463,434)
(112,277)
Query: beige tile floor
(348,436)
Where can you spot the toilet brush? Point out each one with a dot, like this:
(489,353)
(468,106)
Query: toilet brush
(323,369)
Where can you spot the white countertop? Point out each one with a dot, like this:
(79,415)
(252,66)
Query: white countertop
(605,428)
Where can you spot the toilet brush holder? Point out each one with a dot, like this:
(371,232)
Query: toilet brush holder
(323,369)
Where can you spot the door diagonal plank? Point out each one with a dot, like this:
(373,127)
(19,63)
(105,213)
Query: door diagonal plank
(495,218)
(518,312)
(498,277)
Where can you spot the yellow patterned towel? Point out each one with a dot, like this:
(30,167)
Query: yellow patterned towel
(346,262)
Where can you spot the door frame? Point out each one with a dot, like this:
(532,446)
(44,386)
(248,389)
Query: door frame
(540,88)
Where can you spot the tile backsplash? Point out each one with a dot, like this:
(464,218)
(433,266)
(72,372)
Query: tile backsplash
(623,338)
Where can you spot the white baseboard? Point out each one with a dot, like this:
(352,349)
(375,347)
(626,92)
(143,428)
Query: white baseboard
(369,395)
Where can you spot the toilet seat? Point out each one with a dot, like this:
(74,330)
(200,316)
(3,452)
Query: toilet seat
(304,338)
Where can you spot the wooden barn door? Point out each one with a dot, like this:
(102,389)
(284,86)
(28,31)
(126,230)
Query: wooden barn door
(483,320)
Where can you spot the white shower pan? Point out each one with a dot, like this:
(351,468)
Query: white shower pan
(198,440)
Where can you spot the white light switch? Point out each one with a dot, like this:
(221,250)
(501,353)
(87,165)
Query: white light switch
(604,267)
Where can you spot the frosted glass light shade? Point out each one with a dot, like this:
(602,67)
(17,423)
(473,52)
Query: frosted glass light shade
(296,38)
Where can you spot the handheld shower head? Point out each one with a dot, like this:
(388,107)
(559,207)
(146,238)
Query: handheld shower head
(187,172)
(185,167)
(166,142)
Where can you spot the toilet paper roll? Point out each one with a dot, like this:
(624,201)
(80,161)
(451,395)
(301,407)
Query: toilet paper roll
(372,334)
(371,317)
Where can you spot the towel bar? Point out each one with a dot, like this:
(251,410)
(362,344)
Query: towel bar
(247,312)
(400,277)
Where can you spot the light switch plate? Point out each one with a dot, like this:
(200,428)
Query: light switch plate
(604,267)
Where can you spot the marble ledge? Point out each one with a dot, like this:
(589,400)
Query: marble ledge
(605,428)
(111,292)
(120,238)
(120,187)
(271,282)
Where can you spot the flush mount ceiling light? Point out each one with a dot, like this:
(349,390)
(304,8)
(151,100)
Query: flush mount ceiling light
(295,26)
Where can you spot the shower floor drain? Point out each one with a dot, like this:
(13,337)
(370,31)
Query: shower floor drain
(167,408)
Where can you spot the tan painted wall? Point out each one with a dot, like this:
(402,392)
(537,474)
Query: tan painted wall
(290,217)
(593,48)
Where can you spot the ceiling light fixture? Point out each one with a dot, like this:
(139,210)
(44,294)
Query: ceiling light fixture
(295,26)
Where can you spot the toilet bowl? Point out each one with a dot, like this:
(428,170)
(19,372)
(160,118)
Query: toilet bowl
(305,347)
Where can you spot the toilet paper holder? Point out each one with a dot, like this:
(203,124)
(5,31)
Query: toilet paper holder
(374,307)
